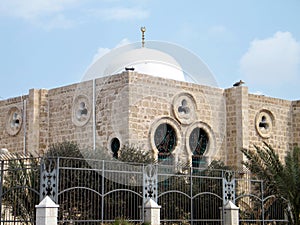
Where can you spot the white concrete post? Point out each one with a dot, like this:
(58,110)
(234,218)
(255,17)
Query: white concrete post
(46,212)
(152,212)
(231,214)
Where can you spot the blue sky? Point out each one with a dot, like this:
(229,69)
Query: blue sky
(50,43)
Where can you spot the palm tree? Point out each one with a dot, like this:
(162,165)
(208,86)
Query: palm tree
(281,178)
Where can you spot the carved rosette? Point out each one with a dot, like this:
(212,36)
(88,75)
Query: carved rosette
(184,108)
(81,110)
(14,121)
(264,123)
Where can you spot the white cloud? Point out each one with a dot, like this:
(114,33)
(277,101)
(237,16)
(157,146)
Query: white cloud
(59,21)
(50,14)
(30,9)
(102,51)
(47,14)
(120,13)
(272,61)
(56,21)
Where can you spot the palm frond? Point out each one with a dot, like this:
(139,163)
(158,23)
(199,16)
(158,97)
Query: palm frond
(281,179)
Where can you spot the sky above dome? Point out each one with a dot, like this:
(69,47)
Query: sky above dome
(51,43)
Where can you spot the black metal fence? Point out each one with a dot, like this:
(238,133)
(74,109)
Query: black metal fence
(99,192)
(19,190)
(257,205)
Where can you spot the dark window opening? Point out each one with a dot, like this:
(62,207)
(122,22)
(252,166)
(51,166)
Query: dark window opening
(165,140)
(198,142)
(115,147)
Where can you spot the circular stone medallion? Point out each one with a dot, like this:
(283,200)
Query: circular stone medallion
(184,108)
(264,123)
(14,121)
(81,110)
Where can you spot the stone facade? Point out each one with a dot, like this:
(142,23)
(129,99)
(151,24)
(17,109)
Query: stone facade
(128,108)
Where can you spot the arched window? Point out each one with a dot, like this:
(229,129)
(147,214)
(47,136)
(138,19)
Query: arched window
(165,140)
(198,142)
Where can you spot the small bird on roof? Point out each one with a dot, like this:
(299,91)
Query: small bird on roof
(239,83)
(129,68)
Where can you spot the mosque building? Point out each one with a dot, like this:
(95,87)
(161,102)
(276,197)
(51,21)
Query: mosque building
(156,96)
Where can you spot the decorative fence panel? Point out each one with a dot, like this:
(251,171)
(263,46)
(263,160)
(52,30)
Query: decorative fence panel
(257,205)
(94,192)
(99,192)
(193,196)
(19,190)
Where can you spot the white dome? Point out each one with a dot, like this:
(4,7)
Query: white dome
(147,61)
(157,59)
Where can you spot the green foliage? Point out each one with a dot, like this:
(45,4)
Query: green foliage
(126,153)
(64,149)
(122,221)
(218,165)
(70,150)
(136,155)
(264,163)
(281,179)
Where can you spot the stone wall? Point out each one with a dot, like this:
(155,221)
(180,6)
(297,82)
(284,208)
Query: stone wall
(130,106)
(237,120)
(112,110)
(154,101)
(38,121)
(70,110)
(295,111)
(270,121)
(13,126)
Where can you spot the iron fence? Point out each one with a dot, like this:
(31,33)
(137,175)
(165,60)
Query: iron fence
(190,196)
(257,205)
(99,192)
(19,190)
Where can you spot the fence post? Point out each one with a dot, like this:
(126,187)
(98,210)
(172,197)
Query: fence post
(231,214)
(230,210)
(152,212)
(49,178)
(46,212)
(151,208)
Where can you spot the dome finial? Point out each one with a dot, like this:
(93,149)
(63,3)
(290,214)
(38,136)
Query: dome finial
(143,29)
